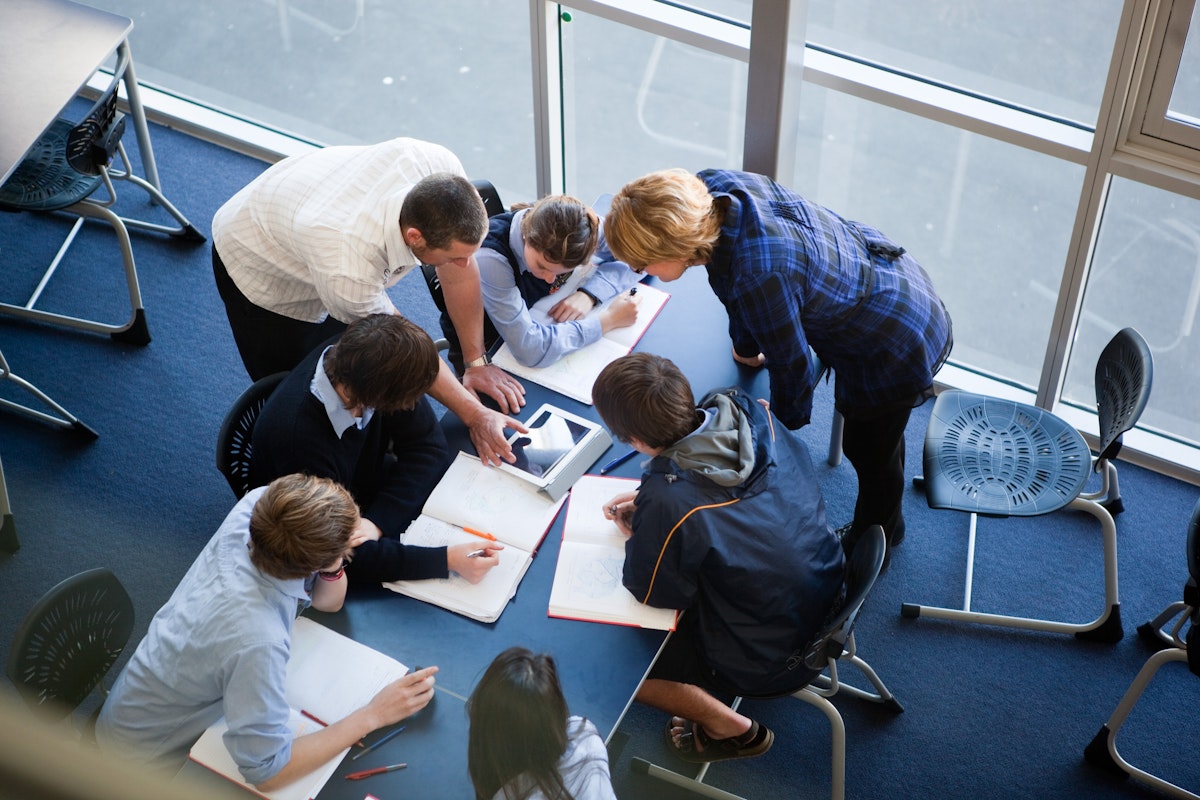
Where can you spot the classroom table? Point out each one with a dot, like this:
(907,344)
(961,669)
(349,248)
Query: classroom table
(600,666)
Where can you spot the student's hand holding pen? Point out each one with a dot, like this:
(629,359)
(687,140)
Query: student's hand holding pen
(620,510)
(621,313)
(472,560)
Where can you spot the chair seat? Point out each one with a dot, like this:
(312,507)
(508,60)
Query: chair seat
(44,181)
(998,457)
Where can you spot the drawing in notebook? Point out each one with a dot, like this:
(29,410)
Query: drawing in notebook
(488,500)
(329,676)
(587,581)
(574,373)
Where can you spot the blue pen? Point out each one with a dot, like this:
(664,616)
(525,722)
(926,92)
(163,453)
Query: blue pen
(376,743)
(616,462)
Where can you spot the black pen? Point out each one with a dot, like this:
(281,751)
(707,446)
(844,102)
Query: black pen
(616,462)
(633,291)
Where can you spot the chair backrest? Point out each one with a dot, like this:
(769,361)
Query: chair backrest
(862,568)
(1191,590)
(92,143)
(1124,374)
(69,640)
(237,429)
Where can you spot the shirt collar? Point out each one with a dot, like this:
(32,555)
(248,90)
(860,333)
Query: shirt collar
(339,417)
(721,260)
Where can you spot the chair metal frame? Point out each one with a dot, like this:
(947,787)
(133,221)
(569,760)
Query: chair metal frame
(1102,750)
(1124,373)
(91,148)
(237,428)
(834,644)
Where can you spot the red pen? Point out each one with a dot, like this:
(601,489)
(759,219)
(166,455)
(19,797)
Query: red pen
(325,724)
(366,773)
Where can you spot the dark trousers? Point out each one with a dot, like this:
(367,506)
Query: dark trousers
(268,342)
(874,445)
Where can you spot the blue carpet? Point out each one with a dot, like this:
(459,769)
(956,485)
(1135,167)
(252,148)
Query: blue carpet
(989,713)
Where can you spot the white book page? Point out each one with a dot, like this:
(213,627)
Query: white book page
(210,751)
(486,499)
(585,520)
(574,374)
(484,600)
(587,585)
(330,675)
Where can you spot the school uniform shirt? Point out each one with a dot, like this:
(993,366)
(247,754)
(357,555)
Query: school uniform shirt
(218,647)
(793,274)
(318,234)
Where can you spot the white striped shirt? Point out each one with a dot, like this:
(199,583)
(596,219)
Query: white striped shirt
(318,234)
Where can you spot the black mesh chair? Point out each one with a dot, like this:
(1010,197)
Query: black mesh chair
(835,644)
(233,439)
(999,458)
(69,640)
(62,172)
(1178,614)
(1102,751)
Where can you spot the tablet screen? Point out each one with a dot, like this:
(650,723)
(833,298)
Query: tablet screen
(550,438)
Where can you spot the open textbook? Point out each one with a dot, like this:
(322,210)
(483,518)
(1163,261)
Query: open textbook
(329,676)
(587,582)
(574,373)
(488,500)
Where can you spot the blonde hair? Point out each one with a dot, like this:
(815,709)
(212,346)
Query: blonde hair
(664,216)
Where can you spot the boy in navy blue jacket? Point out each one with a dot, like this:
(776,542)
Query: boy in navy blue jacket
(729,524)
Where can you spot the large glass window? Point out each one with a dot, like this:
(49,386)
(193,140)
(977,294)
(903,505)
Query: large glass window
(1052,57)
(1146,275)
(456,72)
(990,222)
(638,103)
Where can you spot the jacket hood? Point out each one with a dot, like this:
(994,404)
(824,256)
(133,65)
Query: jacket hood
(723,449)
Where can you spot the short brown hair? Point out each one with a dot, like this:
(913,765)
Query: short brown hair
(645,396)
(299,525)
(383,361)
(562,229)
(663,216)
(446,208)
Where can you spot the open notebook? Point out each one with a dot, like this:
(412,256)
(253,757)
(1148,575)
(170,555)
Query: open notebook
(587,581)
(329,676)
(574,373)
(488,500)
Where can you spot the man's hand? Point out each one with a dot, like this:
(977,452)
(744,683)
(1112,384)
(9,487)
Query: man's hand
(487,434)
(497,384)
(403,697)
(756,362)
(573,307)
(460,560)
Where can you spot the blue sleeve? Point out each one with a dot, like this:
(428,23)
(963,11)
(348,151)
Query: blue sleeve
(767,311)
(609,277)
(256,709)
(533,343)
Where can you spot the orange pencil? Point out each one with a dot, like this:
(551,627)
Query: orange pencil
(481,534)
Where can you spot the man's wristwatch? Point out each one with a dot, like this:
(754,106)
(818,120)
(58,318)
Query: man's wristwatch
(482,361)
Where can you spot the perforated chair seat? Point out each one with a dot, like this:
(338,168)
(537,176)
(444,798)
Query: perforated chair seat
(234,438)
(994,457)
(998,457)
(44,180)
(69,640)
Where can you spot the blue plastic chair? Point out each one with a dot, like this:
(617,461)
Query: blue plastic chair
(1000,458)
(1102,751)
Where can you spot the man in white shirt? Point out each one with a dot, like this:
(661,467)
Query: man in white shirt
(314,242)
